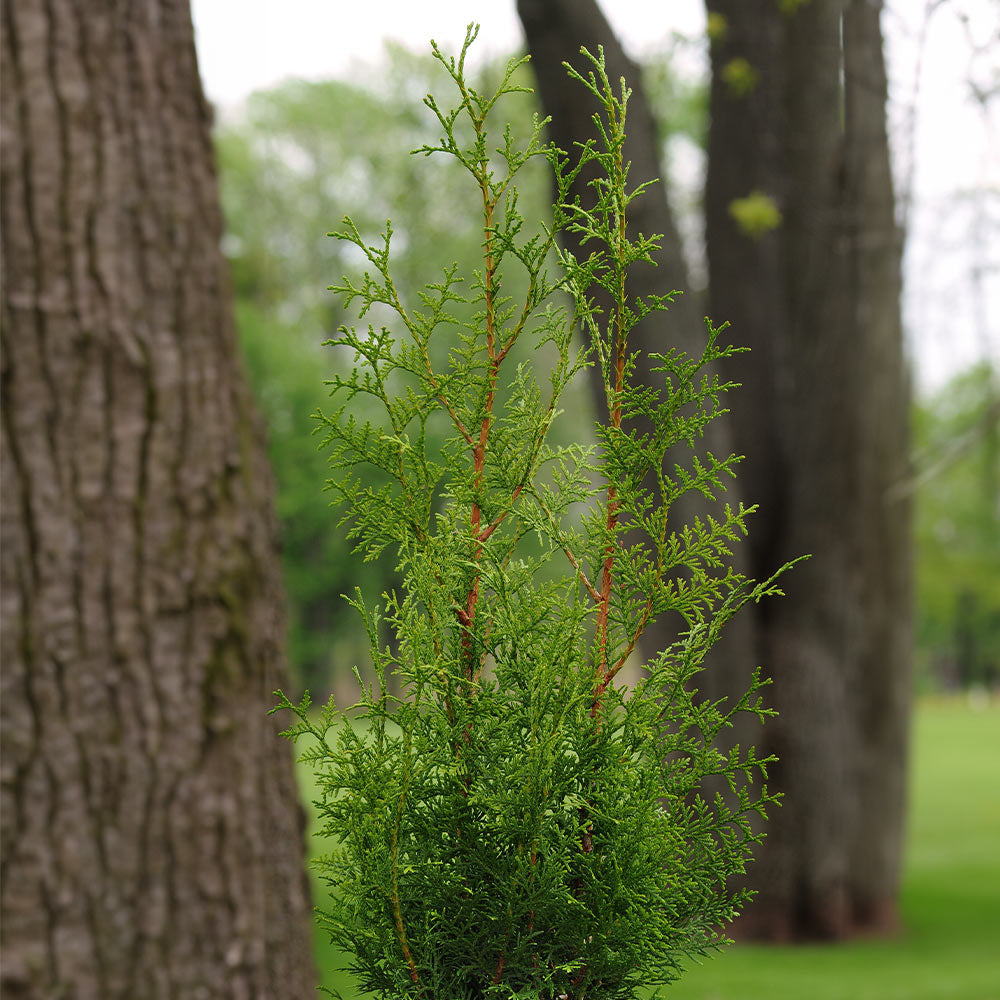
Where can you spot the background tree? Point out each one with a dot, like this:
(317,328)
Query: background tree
(151,839)
(804,259)
(798,117)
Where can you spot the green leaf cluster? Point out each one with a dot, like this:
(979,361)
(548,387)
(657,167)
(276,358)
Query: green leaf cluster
(505,818)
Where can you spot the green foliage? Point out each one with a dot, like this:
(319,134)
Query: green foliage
(958,530)
(512,822)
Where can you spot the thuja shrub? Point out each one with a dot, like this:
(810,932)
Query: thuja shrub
(505,820)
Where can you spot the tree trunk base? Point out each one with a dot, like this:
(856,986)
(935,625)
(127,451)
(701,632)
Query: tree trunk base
(832,919)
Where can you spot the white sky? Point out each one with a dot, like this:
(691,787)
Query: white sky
(246,45)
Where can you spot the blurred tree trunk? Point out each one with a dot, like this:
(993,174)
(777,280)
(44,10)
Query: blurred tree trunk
(824,426)
(152,842)
(822,418)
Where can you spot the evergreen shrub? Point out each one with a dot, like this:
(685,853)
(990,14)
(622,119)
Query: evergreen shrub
(504,819)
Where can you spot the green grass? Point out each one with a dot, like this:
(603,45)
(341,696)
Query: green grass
(949,948)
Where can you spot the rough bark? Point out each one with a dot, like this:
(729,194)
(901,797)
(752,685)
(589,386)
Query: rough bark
(151,840)
(817,300)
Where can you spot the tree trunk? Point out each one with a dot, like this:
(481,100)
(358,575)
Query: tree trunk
(152,844)
(821,417)
(825,403)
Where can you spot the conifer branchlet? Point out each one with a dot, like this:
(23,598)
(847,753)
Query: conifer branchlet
(504,819)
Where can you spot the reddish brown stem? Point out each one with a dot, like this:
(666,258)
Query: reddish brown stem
(614,506)
(468,614)
(607,571)
(620,662)
(604,606)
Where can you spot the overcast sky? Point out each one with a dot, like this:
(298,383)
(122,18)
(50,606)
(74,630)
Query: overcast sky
(954,249)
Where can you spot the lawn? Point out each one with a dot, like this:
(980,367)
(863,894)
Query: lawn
(950,945)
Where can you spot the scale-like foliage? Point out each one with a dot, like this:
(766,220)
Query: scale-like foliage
(513,823)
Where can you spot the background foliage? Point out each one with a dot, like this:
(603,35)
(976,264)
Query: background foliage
(957,435)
